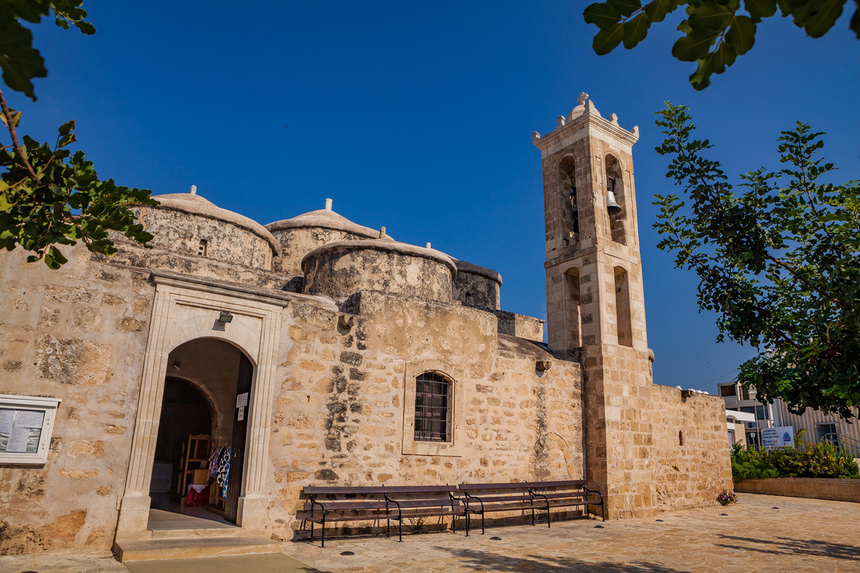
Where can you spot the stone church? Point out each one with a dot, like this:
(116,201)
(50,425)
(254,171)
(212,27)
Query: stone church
(314,350)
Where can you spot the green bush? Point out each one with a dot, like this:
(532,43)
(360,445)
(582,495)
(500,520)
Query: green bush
(821,460)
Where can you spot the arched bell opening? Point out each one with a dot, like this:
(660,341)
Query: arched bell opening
(570,214)
(616,200)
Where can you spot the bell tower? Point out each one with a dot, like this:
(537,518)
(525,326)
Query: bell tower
(595,302)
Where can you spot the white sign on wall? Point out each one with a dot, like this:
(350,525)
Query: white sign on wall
(780,437)
(26,423)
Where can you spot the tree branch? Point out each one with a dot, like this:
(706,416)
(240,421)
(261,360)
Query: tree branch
(10,125)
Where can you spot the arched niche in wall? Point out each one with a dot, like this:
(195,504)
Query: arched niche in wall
(622,307)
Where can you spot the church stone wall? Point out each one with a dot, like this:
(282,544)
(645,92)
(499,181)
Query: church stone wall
(340,413)
(79,335)
(691,449)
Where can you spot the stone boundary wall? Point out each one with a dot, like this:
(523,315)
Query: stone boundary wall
(816,488)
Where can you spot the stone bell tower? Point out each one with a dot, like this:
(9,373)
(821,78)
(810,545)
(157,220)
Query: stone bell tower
(595,303)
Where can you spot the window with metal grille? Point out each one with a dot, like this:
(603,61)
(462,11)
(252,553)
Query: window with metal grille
(433,408)
(203,248)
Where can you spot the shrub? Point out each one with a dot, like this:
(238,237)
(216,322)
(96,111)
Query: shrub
(821,460)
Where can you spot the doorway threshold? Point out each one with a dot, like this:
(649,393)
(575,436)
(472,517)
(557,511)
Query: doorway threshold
(191,518)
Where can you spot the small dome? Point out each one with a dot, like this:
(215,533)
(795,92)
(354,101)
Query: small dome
(194,204)
(324,219)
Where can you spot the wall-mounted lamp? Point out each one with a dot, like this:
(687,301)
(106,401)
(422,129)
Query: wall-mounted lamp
(543,365)
(225,317)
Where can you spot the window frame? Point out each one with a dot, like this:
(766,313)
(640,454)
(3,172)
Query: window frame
(48,408)
(454,446)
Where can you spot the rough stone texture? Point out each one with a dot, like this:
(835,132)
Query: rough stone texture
(477,286)
(300,235)
(339,270)
(340,421)
(815,488)
(596,314)
(334,383)
(182,232)
(95,371)
(520,325)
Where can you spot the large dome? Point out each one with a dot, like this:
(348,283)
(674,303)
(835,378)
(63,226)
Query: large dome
(194,204)
(190,225)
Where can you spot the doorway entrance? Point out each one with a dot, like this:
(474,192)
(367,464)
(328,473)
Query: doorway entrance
(200,450)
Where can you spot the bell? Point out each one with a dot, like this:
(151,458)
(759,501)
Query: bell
(611,205)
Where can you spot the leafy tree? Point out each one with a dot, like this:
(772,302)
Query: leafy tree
(49,196)
(778,261)
(715,32)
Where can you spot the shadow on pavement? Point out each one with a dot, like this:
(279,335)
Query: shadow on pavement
(791,546)
(484,560)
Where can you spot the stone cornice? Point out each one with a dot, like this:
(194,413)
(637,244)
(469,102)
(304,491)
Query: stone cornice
(590,121)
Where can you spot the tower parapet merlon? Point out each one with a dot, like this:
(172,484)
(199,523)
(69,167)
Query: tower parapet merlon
(586,112)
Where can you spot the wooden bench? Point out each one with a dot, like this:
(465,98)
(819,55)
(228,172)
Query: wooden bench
(340,503)
(526,496)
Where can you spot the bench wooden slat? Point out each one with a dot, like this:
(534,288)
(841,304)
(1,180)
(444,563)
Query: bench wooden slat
(333,505)
(423,503)
(377,490)
(568,483)
(490,486)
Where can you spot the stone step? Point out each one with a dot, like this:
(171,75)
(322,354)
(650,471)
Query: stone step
(195,533)
(188,548)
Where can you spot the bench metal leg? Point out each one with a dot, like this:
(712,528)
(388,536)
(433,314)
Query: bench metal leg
(322,532)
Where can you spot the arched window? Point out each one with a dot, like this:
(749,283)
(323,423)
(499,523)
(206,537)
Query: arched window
(203,248)
(433,412)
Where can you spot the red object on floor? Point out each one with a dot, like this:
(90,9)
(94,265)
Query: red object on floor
(195,497)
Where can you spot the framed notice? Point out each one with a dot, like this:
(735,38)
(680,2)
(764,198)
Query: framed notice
(26,424)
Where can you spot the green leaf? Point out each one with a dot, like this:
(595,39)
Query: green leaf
(820,20)
(759,9)
(635,30)
(67,127)
(67,139)
(741,35)
(658,9)
(607,39)
(601,15)
(625,7)
(16,118)
(19,61)
(694,46)
(711,15)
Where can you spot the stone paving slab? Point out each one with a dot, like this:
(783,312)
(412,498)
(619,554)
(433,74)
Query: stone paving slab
(760,533)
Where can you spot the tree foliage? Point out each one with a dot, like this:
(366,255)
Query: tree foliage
(778,262)
(715,32)
(49,196)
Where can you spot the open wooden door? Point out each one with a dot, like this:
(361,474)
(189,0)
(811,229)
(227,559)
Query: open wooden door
(240,429)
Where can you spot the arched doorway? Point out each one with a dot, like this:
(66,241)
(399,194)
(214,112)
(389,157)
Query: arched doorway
(200,449)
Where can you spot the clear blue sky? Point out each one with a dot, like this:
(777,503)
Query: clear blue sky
(418,116)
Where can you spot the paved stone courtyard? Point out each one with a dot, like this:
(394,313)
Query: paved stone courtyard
(760,533)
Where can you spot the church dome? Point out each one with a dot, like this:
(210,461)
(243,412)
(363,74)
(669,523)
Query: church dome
(343,268)
(189,224)
(302,234)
